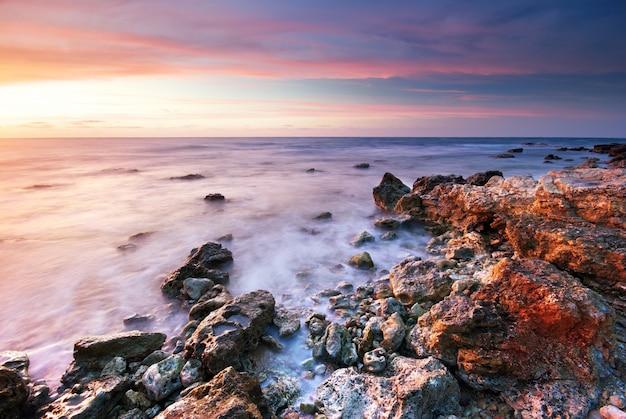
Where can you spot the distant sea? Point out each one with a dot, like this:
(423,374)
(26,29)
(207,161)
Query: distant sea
(90,227)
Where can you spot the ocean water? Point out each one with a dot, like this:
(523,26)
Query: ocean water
(67,205)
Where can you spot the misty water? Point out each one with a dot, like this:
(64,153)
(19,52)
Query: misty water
(69,204)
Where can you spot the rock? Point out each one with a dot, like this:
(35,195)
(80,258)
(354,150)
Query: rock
(287,321)
(214,197)
(211,300)
(375,361)
(93,353)
(503,156)
(137,319)
(393,333)
(417,281)
(612,412)
(163,378)
(191,373)
(389,191)
(372,335)
(337,345)
(230,331)
(410,388)
(316,322)
(362,166)
(16,360)
(116,366)
(389,236)
(552,157)
(515,150)
(230,394)
(201,263)
(387,223)
(280,390)
(93,400)
(426,184)
(193,176)
(361,261)
(323,216)
(13,392)
(518,329)
(480,179)
(195,287)
(361,238)
(134,399)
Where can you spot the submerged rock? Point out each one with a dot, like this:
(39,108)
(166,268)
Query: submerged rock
(361,261)
(409,388)
(361,238)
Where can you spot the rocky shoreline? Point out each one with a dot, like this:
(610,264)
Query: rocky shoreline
(518,312)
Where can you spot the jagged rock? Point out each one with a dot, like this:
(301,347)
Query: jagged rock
(16,360)
(231,330)
(409,388)
(362,238)
(93,400)
(361,261)
(416,281)
(287,321)
(192,372)
(230,394)
(323,216)
(134,399)
(163,378)
(387,223)
(280,390)
(338,346)
(518,330)
(393,332)
(201,263)
(481,178)
(211,300)
(93,353)
(372,335)
(13,392)
(389,191)
(215,197)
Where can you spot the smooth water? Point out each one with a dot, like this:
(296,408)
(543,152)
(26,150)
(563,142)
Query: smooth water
(68,204)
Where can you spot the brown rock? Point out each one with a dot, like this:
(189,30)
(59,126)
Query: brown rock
(229,395)
(416,281)
(232,330)
(389,191)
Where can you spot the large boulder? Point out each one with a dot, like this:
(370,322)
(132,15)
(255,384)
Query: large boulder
(230,331)
(531,324)
(201,263)
(409,388)
(389,191)
(229,395)
(93,353)
(13,392)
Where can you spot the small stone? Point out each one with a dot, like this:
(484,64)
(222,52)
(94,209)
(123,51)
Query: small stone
(191,372)
(387,223)
(361,238)
(271,341)
(375,361)
(389,236)
(116,366)
(323,216)
(196,287)
(163,378)
(361,261)
(362,166)
(213,197)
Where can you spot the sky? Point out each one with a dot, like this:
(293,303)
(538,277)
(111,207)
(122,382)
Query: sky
(410,68)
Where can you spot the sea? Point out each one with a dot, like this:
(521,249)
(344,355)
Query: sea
(90,227)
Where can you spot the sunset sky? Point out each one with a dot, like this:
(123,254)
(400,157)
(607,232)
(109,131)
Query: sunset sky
(312,68)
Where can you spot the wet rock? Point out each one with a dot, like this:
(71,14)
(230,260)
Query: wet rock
(13,392)
(552,157)
(362,166)
(411,388)
(230,394)
(316,322)
(116,366)
(192,176)
(387,223)
(214,197)
(323,216)
(195,287)
(201,263)
(389,236)
(230,331)
(393,333)
(338,346)
(134,399)
(426,184)
(287,321)
(93,400)
(163,378)
(93,353)
(16,360)
(416,281)
(515,150)
(389,191)
(375,361)
(361,238)
(280,390)
(361,261)
(211,300)
(503,156)
(137,319)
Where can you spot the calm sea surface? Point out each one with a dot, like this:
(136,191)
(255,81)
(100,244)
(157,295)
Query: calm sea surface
(68,204)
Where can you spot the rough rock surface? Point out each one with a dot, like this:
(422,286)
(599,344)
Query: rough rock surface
(409,388)
(531,323)
(230,331)
(92,353)
(13,392)
(229,395)
(163,378)
(389,191)
(201,263)
(416,281)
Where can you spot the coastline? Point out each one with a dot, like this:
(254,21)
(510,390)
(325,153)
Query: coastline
(461,249)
